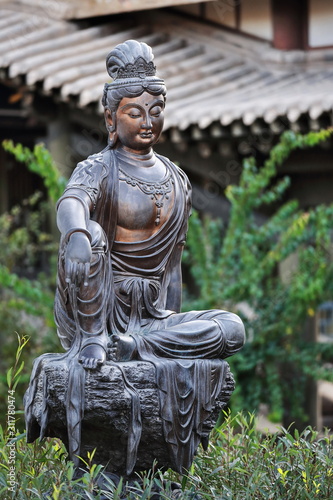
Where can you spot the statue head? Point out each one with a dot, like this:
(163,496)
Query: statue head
(131,67)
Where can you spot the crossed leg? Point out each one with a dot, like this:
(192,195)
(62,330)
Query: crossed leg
(193,335)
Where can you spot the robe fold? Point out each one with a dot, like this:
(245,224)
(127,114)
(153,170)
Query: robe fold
(130,285)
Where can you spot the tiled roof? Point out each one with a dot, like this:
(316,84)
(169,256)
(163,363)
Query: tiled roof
(212,75)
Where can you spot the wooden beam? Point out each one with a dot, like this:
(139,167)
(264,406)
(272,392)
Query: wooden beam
(290,23)
(79,9)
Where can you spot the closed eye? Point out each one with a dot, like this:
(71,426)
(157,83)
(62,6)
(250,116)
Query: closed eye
(134,115)
(156,111)
(132,111)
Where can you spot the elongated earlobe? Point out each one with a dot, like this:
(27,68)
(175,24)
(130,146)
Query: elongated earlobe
(112,138)
(110,122)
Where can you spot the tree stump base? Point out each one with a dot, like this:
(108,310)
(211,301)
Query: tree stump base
(107,412)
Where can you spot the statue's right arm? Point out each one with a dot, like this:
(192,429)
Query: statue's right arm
(74,209)
(72,221)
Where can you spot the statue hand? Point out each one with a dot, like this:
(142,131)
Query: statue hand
(77,259)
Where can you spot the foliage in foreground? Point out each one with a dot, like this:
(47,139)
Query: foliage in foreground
(237,267)
(27,267)
(240,463)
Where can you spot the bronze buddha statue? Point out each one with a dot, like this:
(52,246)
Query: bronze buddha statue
(123,219)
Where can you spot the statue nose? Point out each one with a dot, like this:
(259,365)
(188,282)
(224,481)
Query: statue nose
(147,122)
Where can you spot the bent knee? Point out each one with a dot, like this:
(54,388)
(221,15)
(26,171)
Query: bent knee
(237,332)
(233,329)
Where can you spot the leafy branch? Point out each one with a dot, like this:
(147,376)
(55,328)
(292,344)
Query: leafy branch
(238,266)
(39,161)
(13,374)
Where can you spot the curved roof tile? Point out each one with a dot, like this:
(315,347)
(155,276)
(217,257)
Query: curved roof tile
(212,75)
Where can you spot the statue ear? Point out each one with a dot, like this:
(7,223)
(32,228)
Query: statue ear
(110,122)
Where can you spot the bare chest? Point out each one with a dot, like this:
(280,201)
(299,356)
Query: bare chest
(143,207)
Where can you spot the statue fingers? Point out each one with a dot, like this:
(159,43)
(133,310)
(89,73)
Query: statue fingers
(80,273)
(70,272)
(90,363)
(74,273)
(84,362)
(86,274)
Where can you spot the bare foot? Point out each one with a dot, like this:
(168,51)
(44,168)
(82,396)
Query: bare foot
(123,348)
(92,356)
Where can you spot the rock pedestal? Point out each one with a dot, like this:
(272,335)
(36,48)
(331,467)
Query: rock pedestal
(107,412)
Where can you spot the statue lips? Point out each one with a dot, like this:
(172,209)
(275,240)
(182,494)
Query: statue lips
(146,135)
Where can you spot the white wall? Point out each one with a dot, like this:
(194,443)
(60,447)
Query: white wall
(320,23)
(256,18)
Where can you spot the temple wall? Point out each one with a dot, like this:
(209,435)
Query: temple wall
(320,23)
(256,18)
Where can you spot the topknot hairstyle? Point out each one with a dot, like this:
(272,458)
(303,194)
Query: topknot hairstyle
(130,65)
(130,59)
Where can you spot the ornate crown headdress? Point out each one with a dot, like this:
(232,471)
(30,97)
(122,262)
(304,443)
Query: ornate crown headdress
(131,63)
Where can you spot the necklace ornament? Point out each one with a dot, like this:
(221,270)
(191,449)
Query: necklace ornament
(158,191)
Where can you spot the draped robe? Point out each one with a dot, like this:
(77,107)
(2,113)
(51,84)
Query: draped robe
(128,290)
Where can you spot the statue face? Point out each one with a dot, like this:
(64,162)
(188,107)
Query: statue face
(140,122)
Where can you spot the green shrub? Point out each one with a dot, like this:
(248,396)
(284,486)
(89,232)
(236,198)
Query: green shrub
(27,269)
(40,162)
(240,463)
(237,264)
